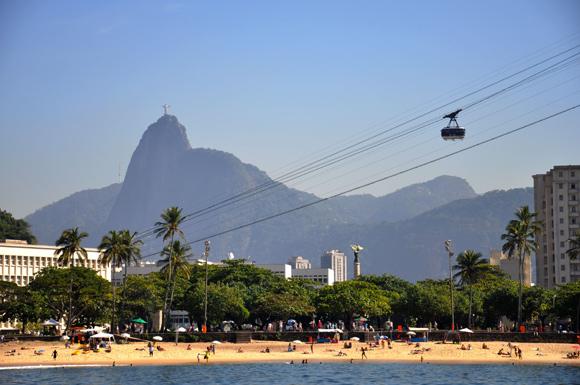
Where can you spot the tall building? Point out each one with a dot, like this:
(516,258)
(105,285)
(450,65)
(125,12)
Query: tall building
(299,262)
(321,276)
(556,196)
(335,260)
(511,266)
(19,261)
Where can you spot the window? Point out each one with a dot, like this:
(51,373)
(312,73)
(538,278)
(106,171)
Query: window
(545,260)
(573,209)
(561,197)
(562,232)
(563,267)
(561,209)
(562,244)
(572,174)
(573,197)
(573,186)
(560,174)
(561,220)
(560,186)
(562,256)
(573,220)
(563,279)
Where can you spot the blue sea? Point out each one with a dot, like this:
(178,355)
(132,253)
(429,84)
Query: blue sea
(326,373)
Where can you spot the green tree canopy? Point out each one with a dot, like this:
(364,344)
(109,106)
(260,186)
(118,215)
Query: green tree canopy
(344,300)
(11,228)
(90,297)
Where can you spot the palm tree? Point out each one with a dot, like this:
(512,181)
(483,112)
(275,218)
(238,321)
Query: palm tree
(131,255)
(119,248)
(69,247)
(520,240)
(175,264)
(470,267)
(168,228)
(111,252)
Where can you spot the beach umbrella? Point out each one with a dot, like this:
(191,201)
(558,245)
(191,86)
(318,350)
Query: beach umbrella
(216,342)
(298,342)
(411,333)
(50,322)
(125,335)
(180,330)
(158,338)
(466,330)
(138,321)
(65,338)
(354,339)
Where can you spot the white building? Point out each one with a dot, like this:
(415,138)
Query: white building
(556,200)
(19,261)
(299,262)
(511,265)
(335,260)
(283,270)
(141,269)
(321,276)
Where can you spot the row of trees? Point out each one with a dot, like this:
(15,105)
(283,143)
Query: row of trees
(244,293)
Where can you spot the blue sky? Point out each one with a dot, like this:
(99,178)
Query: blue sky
(272,83)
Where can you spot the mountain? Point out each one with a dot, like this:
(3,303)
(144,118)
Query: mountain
(87,209)
(166,171)
(413,248)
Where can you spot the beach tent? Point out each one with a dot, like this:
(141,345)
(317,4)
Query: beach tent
(104,336)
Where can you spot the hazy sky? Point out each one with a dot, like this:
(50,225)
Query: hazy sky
(274,83)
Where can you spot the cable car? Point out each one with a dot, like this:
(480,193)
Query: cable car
(453,131)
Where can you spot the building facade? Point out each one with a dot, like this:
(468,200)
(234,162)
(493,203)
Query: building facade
(556,196)
(335,260)
(321,276)
(299,262)
(19,261)
(511,266)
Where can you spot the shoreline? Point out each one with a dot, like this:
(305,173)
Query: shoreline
(21,355)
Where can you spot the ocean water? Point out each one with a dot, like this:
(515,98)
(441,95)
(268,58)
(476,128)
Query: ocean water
(326,373)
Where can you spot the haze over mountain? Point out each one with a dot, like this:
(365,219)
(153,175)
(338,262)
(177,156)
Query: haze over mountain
(402,231)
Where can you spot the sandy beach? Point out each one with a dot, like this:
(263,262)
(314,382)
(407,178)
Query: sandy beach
(136,353)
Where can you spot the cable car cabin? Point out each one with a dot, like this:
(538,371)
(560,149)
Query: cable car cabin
(453,133)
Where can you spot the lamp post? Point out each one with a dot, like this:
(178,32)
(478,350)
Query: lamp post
(206,253)
(449,249)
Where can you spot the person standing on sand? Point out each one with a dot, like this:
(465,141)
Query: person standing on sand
(312,347)
(54,354)
(150,346)
(364,353)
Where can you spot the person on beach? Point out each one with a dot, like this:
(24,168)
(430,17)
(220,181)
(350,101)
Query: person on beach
(312,347)
(54,354)
(150,346)
(206,356)
(364,353)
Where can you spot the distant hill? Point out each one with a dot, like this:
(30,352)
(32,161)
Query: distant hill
(165,171)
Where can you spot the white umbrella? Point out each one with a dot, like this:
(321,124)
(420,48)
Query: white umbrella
(354,339)
(181,330)
(65,338)
(125,335)
(298,342)
(158,338)
(466,330)
(216,342)
(50,322)
(411,333)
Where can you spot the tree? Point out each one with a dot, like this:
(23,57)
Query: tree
(175,265)
(143,295)
(119,248)
(18,303)
(344,300)
(568,302)
(431,302)
(86,301)
(520,240)
(168,228)
(227,303)
(70,247)
(470,268)
(11,228)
